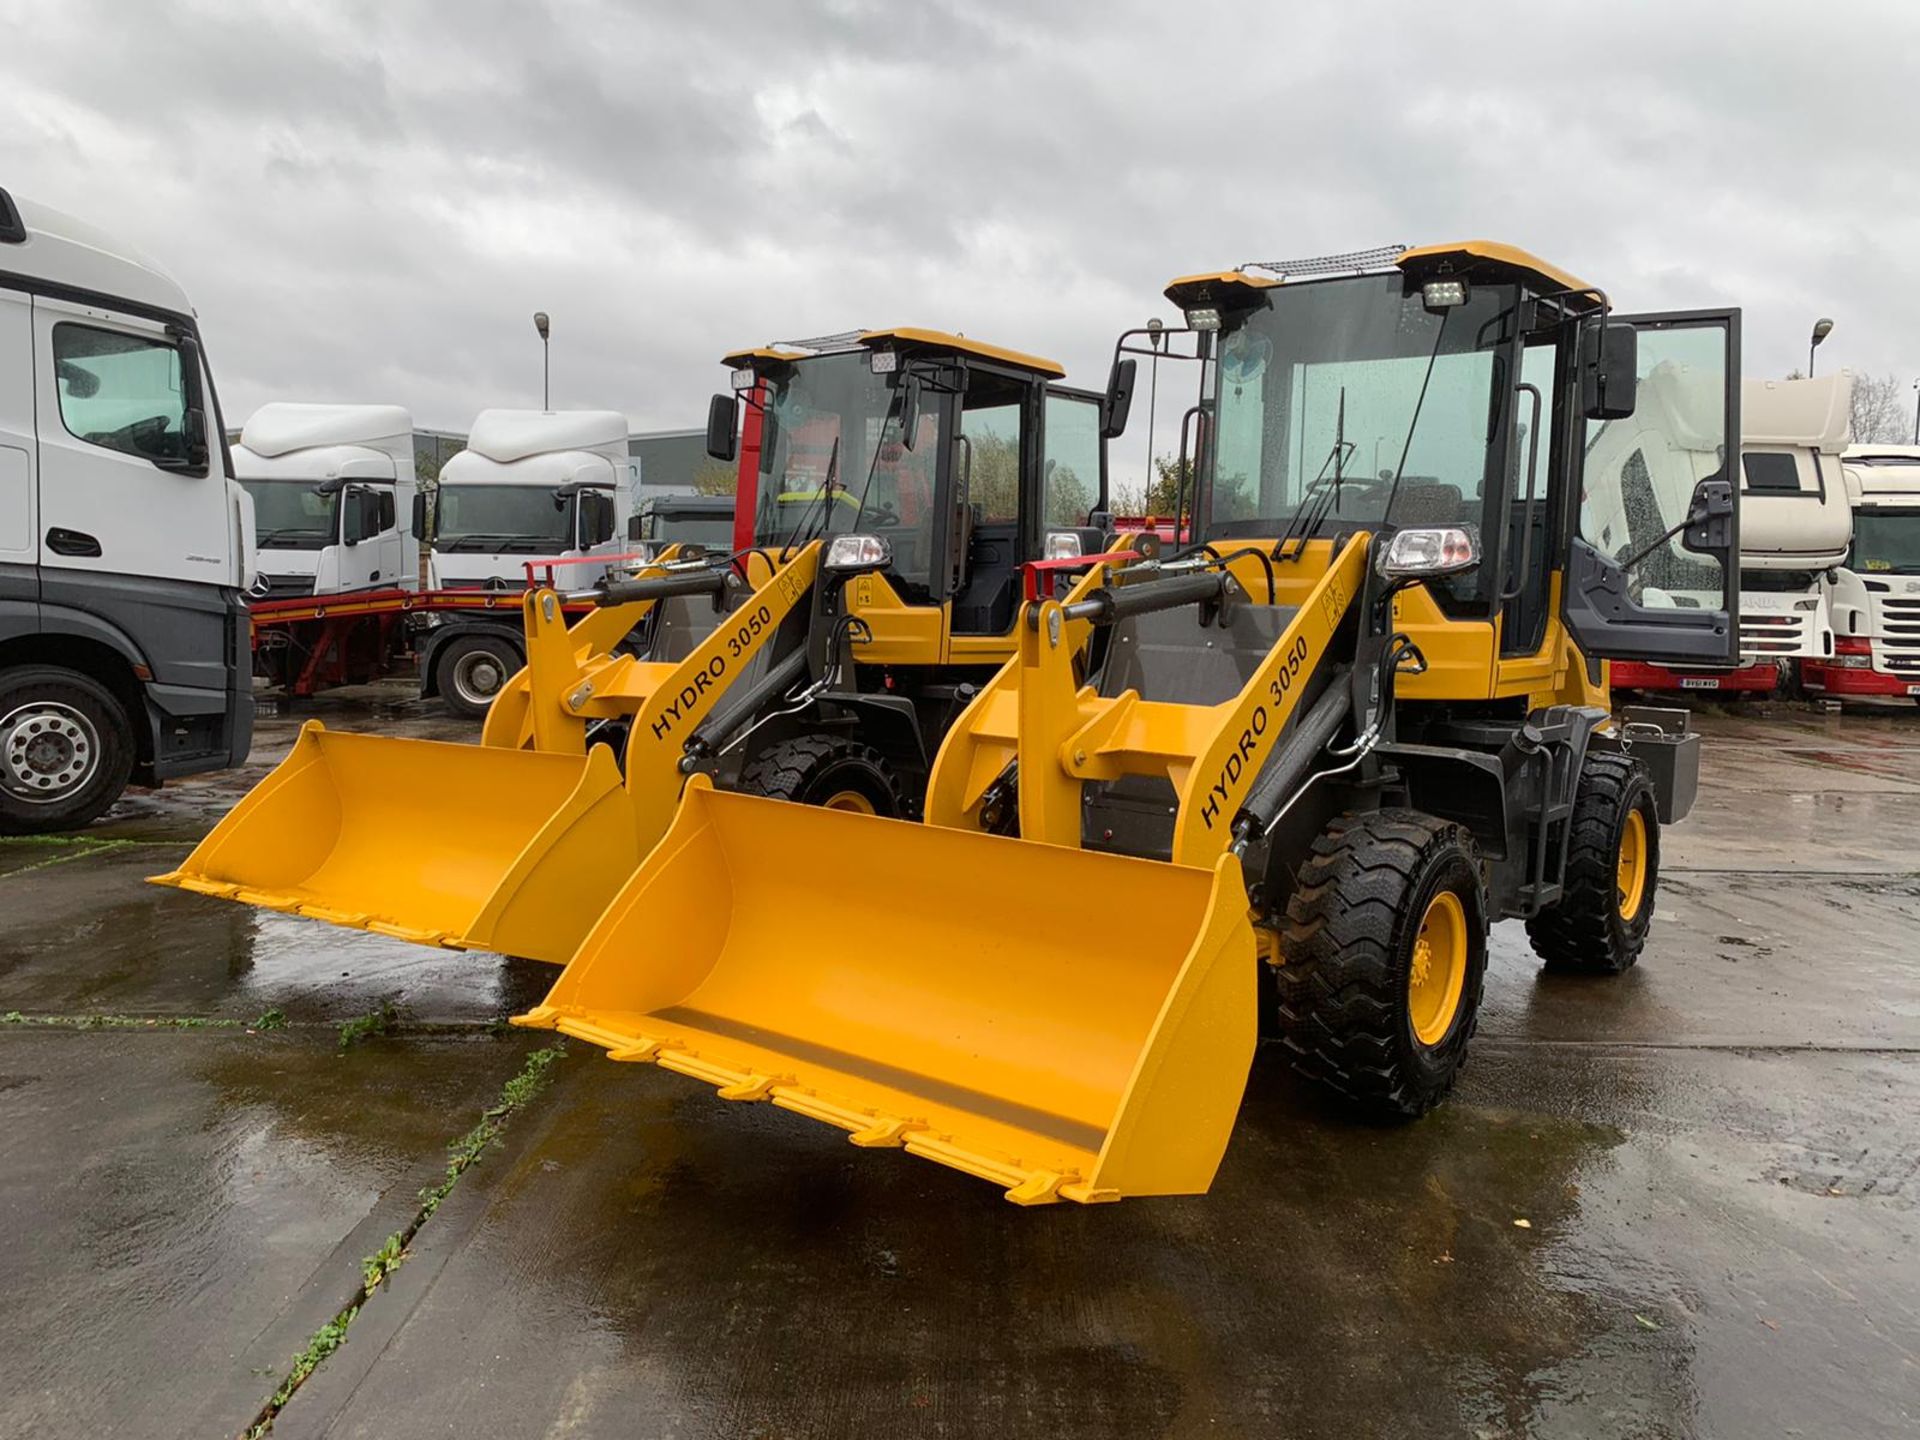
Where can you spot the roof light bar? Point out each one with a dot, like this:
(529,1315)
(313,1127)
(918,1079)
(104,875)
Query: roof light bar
(1354,262)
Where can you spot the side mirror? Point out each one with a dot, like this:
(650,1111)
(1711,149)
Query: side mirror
(193,430)
(722,432)
(909,410)
(418,524)
(1113,419)
(359,516)
(636,527)
(598,521)
(1609,361)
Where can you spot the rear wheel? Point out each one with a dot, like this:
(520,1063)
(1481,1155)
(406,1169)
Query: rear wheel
(831,771)
(1600,923)
(66,749)
(472,669)
(1383,957)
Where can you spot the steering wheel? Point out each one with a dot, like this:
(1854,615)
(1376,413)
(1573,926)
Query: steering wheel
(148,436)
(883,514)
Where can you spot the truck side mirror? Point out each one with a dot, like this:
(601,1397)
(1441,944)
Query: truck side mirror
(635,528)
(596,519)
(193,431)
(1113,416)
(359,515)
(418,524)
(1609,362)
(722,432)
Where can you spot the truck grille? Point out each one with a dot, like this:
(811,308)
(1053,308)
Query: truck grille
(1774,636)
(277,586)
(1897,648)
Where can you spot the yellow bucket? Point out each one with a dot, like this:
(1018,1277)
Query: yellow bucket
(468,846)
(961,995)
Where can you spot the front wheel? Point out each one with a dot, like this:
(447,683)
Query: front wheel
(1599,925)
(831,771)
(66,750)
(472,669)
(1383,957)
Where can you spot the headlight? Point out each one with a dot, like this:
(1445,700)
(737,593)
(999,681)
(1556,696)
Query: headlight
(1061,545)
(1426,553)
(858,552)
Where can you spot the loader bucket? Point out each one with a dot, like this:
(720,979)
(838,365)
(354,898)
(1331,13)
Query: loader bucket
(467,846)
(954,993)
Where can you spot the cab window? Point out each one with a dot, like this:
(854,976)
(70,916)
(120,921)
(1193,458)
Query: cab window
(1072,485)
(121,392)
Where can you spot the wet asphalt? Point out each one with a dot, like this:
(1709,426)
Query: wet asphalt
(1685,1202)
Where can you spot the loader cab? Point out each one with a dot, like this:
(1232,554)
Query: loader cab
(1473,386)
(929,468)
(958,456)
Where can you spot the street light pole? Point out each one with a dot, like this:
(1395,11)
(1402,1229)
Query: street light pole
(1822,328)
(540,323)
(1916,412)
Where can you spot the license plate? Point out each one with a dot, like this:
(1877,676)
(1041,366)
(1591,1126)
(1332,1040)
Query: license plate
(1688,683)
(1913,689)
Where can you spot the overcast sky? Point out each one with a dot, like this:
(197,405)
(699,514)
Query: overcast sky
(368,201)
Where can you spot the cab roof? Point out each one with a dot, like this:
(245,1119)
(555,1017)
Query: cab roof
(1239,288)
(902,338)
(49,245)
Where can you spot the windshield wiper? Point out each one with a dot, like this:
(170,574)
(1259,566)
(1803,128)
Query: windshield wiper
(1320,497)
(478,540)
(824,497)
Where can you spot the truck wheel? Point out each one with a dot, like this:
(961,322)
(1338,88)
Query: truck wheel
(472,669)
(1383,956)
(66,750)
(1600,922)
(826,770)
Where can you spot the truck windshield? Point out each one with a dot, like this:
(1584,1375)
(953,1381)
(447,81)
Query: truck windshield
(287,515)
(502,518)
(1886,542)
(831,461)
(1333,390)
(713,531)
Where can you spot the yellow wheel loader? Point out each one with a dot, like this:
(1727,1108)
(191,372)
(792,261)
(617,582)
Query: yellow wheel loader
(817,665)
(1282,779)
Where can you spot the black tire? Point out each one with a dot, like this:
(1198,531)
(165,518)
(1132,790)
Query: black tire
(66,749)
(830,770)
(1346,1013)
(1586,933)
(471,669)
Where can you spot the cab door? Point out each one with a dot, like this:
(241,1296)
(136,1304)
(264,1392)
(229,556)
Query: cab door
(1653,572)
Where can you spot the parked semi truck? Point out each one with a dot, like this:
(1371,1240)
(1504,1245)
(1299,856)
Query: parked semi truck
(1795,526)
(1875,595)
(341,525)
(333,498)
(125,545)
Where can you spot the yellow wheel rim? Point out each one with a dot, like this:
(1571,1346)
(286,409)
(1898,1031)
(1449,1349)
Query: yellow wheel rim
(850,800)
(1438,974)
(1630,872)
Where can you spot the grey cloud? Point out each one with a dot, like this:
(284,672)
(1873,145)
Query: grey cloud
(367,201)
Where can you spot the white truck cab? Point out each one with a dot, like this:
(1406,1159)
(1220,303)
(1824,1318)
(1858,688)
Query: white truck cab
(333,491)
(1795,522)
(125,546)
(531,485)
(1875,595)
